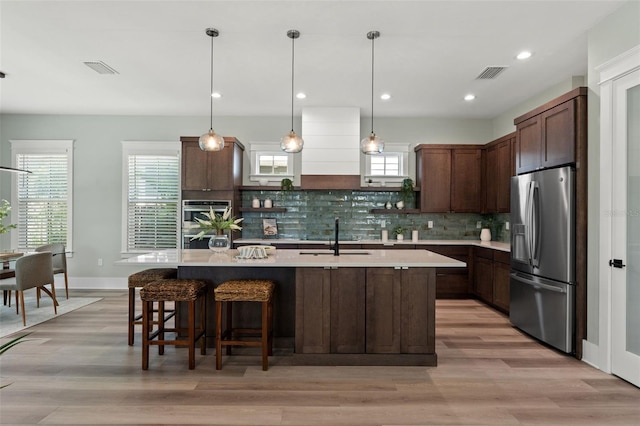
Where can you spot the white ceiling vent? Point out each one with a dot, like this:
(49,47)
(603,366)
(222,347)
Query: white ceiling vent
(100,67)
(490,72)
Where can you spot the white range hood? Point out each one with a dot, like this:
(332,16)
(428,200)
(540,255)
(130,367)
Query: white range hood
(331,141)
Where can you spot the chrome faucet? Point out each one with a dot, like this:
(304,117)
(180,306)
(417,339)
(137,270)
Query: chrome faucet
(336,245)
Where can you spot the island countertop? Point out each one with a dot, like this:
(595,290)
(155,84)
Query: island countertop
(296,259)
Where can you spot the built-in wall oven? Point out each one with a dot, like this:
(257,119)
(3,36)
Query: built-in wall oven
(192,209)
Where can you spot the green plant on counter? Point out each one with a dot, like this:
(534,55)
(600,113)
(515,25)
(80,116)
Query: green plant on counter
(399,230)
(5,208)
(406,191)
(286,184)
(217,222)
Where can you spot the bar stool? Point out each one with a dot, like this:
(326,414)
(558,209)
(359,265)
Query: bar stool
(175,290)
(244,291)
(139,280)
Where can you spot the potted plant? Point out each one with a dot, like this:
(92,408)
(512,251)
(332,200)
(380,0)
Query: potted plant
(286,184)
(399,232)
(407,193)
(220,224)
(5,207)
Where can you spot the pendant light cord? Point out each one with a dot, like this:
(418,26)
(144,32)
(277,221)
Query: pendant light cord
(293,56)
(211,91)
(372,63)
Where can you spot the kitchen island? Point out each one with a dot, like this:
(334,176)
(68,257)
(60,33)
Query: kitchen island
(363,307)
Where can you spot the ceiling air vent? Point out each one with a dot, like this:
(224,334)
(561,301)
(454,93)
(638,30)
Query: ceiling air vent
(490,72)
(100,67)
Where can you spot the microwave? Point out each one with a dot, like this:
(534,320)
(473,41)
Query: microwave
(192,209)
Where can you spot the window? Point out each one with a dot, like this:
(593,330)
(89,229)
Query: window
(392,165)
(151,195)
(42,201)
(269,162)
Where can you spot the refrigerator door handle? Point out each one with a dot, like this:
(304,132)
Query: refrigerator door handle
(537,285)
(535,224)
(528,219)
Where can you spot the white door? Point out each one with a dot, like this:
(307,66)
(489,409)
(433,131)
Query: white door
(625,229)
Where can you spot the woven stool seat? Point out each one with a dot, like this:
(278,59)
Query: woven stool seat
(176,290)
(142,278)
(245,291)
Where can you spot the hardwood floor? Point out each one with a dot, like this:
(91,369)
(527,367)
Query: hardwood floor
(78,369)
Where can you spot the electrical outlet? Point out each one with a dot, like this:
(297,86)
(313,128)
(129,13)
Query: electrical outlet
(479,224)
(430,224)
(383,223)
(100,262)
(506,226)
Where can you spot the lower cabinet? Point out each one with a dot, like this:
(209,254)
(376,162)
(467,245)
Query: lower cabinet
(364,310)
(491,277)
(452,283)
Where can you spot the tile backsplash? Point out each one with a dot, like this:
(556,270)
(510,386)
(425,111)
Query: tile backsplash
(310,215)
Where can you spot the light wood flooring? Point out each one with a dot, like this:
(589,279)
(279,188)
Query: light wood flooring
(78,369)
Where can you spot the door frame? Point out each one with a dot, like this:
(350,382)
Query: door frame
(610,71)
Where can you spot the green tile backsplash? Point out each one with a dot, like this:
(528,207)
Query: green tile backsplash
(310,215)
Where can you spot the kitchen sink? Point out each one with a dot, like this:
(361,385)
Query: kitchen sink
(330,253)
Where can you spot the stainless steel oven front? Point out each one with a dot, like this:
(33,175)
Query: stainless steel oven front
(192,209)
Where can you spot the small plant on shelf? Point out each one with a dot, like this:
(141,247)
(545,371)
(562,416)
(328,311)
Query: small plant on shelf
(407,193)
(286,184)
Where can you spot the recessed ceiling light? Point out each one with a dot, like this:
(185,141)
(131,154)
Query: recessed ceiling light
(301,95)
(469,97)
(524,55)
(216,95)
(385,96)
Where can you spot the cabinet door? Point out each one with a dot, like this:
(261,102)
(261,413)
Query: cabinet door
(529,143)
(504,171)
(466,180)
(347,310)
(313,309)
(483,271)
(220,168)
(383,310)
(501,286)
(491,186)
(435,180)
(558,133)
(418,310)
(195,165)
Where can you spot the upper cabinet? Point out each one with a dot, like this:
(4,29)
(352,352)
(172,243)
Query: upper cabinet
(499,166)
(546,136)
(449,177)
(211,171)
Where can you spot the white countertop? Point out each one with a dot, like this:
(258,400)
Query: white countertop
(494,245)
(296,259)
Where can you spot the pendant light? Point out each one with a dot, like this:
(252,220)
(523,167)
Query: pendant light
(291,142)
(211,141)
(372,144)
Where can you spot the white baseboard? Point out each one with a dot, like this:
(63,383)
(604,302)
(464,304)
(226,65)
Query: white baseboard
(591,354)
(95,283)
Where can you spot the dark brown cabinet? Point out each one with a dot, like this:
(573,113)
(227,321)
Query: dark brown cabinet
(491,277)
(546,137)
(499,167)
(452,283)
(211,171)
(449,177)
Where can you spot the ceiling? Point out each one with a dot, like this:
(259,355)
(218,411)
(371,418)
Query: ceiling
(428,56)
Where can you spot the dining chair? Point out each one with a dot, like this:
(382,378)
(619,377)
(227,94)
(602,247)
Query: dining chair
(59,262)
(31,271)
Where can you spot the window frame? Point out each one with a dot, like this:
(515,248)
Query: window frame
(160,148)
(400,150)
(42,146)
(269,148)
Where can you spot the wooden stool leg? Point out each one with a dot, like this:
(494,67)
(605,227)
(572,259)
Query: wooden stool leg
(218,335)
(229,329)
(265,336)
(192,335)
(132,307)
(203,325)
(160,327)
(270,320)
(145,334)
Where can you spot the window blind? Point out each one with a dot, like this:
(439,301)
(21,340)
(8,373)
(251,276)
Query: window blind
(152,202)
(43,200)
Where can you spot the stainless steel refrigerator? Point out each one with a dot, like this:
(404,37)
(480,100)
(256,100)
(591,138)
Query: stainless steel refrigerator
(542,286)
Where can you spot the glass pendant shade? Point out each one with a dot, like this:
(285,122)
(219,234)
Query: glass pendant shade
(211,141)
(291,143)
(371,144)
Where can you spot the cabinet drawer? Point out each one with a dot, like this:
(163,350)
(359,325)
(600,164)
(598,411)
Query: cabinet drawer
(502,257)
